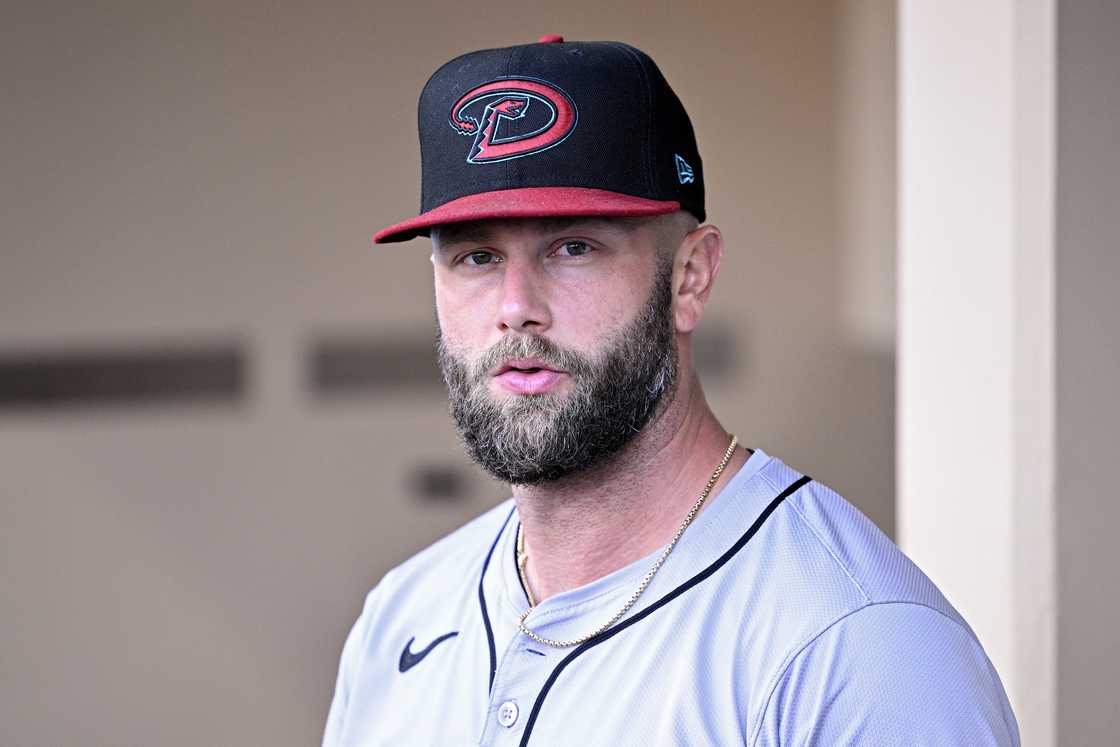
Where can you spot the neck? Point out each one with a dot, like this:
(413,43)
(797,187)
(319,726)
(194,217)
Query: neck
(583,527)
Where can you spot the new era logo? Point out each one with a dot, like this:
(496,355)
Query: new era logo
(684,171)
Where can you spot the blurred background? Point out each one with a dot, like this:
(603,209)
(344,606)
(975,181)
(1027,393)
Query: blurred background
(220,416)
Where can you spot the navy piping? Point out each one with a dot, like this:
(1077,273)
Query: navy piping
(701,576)
(482,603)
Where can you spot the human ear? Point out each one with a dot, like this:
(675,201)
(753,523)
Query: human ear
(695,267)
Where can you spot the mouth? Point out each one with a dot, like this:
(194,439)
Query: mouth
(528,376)
(525,366)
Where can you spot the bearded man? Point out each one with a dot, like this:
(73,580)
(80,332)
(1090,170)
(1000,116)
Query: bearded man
(651,581)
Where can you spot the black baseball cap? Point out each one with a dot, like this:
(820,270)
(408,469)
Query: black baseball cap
(552,129)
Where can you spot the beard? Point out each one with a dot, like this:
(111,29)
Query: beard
(537,438)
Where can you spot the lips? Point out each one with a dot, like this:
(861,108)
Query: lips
(524,365)
(528,376)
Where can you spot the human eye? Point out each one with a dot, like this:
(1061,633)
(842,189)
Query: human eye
(573,248)
(478,258)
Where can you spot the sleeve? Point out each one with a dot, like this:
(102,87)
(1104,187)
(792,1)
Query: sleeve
(889,673)
(347,671)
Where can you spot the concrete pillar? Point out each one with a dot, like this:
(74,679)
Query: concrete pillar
(976,347)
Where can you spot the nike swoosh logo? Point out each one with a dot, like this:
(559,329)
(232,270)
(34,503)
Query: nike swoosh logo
(409,659)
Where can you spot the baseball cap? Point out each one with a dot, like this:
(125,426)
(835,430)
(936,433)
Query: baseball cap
(553,128)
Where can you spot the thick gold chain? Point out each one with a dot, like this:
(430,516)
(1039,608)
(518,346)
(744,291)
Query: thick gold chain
(522,558)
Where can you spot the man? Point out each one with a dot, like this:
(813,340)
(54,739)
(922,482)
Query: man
(650,581)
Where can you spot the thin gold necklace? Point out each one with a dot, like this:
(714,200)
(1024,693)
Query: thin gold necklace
(522,558)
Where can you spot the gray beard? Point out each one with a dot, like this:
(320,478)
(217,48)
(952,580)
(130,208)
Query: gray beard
(532,439)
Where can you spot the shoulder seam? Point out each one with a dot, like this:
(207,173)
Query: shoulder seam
(812,638)
(824,543)
(831,551)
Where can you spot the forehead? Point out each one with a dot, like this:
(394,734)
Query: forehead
(485,231)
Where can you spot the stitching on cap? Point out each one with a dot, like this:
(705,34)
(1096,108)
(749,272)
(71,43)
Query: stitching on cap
(647,154)
(513,168)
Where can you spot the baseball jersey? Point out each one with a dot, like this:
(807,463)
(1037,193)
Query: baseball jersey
(783,616)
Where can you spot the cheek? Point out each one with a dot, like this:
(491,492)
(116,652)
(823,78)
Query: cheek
(459,321)
(594,309)
(588,317)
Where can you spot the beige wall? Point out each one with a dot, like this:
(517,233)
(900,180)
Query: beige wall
(212,171)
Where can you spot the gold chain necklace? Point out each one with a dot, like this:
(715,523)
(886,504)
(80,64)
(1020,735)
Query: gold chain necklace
(522,558)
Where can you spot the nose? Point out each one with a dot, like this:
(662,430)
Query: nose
(522,306)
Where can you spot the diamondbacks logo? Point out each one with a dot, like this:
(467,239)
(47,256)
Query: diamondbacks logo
(513,117)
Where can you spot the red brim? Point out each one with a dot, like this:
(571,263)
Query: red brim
(528,202)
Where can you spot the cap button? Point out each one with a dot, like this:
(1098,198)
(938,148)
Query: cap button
(551,39)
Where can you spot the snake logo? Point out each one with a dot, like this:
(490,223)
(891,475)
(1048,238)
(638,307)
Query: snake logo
(513,117)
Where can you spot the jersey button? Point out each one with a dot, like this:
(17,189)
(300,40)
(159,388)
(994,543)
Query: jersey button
(507,714)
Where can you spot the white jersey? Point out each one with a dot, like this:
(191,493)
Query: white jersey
(783,616)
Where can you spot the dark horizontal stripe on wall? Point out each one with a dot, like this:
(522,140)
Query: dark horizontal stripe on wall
(372,366)
(36,380)
(378,366)
(715,351)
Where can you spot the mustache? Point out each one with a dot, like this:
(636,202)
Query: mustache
(529,346)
